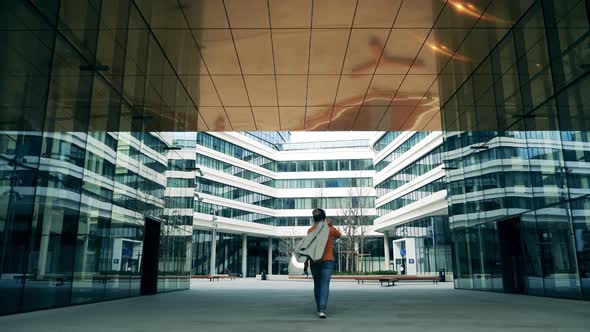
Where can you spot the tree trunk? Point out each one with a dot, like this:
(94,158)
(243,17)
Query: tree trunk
(347,262)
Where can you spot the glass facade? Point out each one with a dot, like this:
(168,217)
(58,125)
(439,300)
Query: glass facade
(272,139)
(409,173)
(73,212)
(401,149)
(433,243)
(385,140)
(374,260)
(517,195)
(228,254)
(413,196)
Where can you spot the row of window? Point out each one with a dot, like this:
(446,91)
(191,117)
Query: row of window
(135,181)
(134,204)
(459,140)
(231,149)
(179,202)
(506,202)
(401,149)
(105,138)
(272,139)
(219,165)
(436,227)
(411,172)
(218,189)
(58,149)
(507,179)
(99,165)
(180,183)
(150,141)
(524,153)
(181,165)
(412,197)
(320,165)
(320,183)
(238,152)
(143,158)
(227,212)
(385,140)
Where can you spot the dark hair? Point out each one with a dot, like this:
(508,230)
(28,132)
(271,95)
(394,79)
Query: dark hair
(318,215)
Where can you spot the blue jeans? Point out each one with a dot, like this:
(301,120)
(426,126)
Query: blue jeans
(321,271)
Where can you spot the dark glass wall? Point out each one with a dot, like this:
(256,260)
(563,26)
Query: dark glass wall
(517,192)
(228,254)
(257,256)
(83,86)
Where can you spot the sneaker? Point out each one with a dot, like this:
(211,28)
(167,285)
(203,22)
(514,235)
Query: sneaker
(323,315)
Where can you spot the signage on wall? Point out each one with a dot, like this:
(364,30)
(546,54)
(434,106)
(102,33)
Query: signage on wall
(402,252)
(116,261)
(411,260)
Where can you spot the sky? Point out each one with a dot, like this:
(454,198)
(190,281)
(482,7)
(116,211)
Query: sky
(315,136)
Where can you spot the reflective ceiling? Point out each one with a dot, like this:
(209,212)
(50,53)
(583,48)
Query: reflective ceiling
(247,65)
(324,64)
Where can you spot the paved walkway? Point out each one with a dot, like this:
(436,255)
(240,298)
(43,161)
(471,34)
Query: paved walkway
(283,306)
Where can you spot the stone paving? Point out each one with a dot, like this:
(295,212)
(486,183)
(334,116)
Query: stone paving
(284,306)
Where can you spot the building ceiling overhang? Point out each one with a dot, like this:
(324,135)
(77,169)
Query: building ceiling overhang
(265,65)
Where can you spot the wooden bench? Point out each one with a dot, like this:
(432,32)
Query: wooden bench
(390,280)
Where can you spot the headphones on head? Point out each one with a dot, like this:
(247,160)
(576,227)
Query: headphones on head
(320,216)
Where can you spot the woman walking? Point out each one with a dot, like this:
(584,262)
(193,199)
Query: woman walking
(321,269)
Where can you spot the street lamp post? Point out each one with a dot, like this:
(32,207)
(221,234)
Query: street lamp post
(212,263)
(339,256)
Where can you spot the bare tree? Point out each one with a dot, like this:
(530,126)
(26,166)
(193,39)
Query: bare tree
(287,244)
(355,219)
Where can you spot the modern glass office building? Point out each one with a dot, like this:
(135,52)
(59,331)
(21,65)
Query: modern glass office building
(258,190)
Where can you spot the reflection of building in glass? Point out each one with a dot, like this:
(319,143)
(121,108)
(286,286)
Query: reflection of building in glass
(74,205)
(516,146)
(516,211)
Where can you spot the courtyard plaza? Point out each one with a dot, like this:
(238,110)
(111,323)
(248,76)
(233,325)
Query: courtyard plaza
(255,305)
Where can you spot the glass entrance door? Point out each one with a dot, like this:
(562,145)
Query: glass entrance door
(509,233)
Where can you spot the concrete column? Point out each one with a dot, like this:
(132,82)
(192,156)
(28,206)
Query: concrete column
(269,270)
(213,255)
(386,249)
(244,255)
(84,258)
(44,243)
